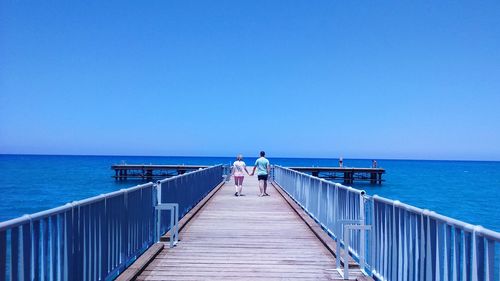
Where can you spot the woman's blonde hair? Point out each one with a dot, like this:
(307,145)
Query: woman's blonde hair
(239,157)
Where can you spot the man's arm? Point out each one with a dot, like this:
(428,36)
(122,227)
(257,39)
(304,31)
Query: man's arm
(268,168)
(253,171)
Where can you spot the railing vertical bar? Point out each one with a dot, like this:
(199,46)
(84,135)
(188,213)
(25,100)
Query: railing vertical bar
(60,246)
(490,260)
(406,245)
(474,271)
(45,249)
(437,263)
(14,250)
(86,242)
(90,243)
(412,238)
(456,254)
(70,247)
(3,255)
(95,225)
(103,239)
(80,234)
(385,235)
(124,229)
(53,247)
(36,225)
(479,256)
(464,257)
(454,257)
(446,251)
(373,236)
(111,235)
(362,233)
(399,255)
(26,242)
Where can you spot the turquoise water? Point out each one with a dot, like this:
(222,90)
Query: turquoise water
(466,190)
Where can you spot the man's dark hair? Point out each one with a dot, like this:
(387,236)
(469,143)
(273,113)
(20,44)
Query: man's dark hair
(262,154)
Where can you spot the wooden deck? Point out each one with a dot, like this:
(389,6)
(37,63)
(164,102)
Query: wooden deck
(245,238)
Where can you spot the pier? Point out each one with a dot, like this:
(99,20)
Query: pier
(346,174)
(192,227)
(151,172)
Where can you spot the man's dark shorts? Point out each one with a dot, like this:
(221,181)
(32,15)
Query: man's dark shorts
(262,177)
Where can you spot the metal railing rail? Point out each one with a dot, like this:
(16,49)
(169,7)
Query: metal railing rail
(402,242)
(95,238)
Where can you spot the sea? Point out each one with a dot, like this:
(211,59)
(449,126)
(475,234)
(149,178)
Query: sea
(464,190)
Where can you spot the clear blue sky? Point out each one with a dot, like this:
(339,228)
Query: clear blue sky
(358,79)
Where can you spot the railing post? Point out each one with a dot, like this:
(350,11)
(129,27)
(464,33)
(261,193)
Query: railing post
(174,217)
(372,236)
(346,230)
(158,216)
(362,253)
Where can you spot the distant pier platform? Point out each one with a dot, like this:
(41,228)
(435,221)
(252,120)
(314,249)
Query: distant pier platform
(150,172)
(347,174)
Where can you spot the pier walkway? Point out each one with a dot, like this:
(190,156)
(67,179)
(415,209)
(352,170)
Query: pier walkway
(245,238)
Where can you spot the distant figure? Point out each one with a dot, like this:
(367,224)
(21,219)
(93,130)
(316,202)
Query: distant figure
(263,169)
(237,172)
(374,163)
(341,162)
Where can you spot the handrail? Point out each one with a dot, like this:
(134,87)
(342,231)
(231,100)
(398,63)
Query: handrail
(97,237)
(405,242)
(445,219)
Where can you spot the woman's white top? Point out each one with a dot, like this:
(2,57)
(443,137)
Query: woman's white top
(239,168)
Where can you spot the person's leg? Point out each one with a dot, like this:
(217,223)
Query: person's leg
(235,186)
(265,188)
(240,186)
(261,187)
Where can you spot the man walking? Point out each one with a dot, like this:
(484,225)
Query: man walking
(263,169)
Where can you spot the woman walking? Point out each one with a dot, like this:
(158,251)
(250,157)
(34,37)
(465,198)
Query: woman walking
(237,172)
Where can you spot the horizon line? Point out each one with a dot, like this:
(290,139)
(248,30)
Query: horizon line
(279,157)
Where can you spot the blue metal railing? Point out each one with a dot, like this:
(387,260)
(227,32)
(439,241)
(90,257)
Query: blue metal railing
(392,240)
(96,238)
